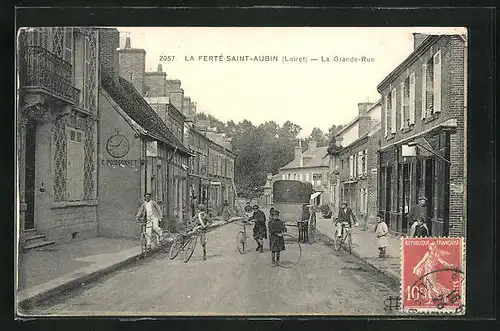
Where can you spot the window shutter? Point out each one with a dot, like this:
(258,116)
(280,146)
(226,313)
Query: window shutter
(424,90)
(366,162)
(360,163)
(351,168)
(386,125)
(437,82)
(393,111)
(402,108)
(412,98)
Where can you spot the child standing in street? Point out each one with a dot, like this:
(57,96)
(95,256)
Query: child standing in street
(381,232)
(276,229)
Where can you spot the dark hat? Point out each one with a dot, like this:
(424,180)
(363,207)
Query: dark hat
(276,212)
(381,215)
(147,193)
(343,203)
(255,207)
(422,198)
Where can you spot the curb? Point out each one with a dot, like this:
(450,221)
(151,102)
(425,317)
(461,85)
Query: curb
(389,275)
(77,282)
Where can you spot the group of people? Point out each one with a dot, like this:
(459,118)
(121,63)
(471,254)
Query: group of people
(276,228)
(150,213)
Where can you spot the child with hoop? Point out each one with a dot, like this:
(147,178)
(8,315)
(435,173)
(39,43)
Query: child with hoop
(276,229)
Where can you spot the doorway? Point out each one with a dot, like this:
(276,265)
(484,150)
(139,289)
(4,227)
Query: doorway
(406,196)
(429,190)
(29,175)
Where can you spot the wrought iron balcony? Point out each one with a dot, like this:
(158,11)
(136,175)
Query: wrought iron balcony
(45,71)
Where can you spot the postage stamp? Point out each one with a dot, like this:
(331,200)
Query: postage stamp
(433,275)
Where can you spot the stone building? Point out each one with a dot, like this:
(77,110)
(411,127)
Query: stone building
(57,134)
(310,166)
(138,152)
(423,139)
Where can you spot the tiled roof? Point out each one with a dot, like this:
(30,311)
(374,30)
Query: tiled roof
(311,159)
(127,97)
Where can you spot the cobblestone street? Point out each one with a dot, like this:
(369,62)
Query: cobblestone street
(324,282)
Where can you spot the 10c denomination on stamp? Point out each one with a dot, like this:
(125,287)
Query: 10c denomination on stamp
(433,275)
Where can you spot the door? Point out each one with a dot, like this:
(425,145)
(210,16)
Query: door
(429,190)
(388,197)
(29,175)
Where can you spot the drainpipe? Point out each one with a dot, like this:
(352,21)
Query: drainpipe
(168,177)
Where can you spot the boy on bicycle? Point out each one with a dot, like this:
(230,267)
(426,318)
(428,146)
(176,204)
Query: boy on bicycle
(201,222)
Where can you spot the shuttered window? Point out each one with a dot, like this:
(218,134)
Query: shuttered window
(75,161)
(365,170)
(437,82)
(387,115)
(393,111)
(412,99)
(424,91)
(402,108)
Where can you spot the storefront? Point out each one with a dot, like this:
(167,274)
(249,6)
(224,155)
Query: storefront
(412,169)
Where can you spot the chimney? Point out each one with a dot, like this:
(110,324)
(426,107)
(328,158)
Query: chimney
(186,106)
(418,38)
(312,145)
(363,108)
(175,93)
(133,65)
(298,155)
(109,42)
(159,69)
(155,81)
(191,114)
(365,125)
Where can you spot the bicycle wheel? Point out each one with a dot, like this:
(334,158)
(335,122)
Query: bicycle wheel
(241,242)
(189,248)
(337,242)
(349,243)
(144,243)
(292,254)
(176,247)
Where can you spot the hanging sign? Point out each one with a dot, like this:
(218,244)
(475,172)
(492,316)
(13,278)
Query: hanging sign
(152,148)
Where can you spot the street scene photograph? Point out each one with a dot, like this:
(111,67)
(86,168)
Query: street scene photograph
(241,171)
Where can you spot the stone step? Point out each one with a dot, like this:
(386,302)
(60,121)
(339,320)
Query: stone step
(39,244)
(34,238)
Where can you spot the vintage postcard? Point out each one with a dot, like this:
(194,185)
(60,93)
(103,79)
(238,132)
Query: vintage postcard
(241,171)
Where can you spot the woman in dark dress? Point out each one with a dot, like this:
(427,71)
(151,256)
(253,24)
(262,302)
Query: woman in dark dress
(259,228)
(276,229)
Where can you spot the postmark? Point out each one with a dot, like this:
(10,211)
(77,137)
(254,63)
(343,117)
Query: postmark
(433,275)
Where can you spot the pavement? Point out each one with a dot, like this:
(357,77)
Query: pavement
(324,282)
(365,247)
(51,270)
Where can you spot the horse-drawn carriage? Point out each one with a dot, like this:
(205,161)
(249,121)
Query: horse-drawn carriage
(292,198)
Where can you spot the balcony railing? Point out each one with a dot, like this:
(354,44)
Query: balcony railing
(45,70)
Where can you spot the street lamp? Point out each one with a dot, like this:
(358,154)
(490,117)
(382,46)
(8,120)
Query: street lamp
(414,143)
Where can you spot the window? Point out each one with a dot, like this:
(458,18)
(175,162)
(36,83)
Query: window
(365,161)
(437,82)
(351,167)
(387,114)
(307,177)
(405,98)
(411,101)
(393,110)
(300,176)
(75,161)
(428,101)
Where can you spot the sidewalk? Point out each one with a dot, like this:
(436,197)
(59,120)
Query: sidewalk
(365,247)
(45,272)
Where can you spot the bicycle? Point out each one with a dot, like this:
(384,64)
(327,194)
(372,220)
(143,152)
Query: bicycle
(290,240)
(144,236)
(344,238)
(241,239)
(185,242)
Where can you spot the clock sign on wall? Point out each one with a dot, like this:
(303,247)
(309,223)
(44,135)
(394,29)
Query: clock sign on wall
(117,146)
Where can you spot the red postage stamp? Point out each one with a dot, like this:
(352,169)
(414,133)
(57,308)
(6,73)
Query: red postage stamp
(433,275)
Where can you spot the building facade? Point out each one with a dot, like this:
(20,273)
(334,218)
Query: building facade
(352,164)
(310,166)
(138,153)
(57,133)
(422,150)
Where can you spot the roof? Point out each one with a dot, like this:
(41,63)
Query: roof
(421,49)
(356,119)
(134,105)
(311,159)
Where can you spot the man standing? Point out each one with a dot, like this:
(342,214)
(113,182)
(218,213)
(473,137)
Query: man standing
(150,213)
(417,211)
(260,228)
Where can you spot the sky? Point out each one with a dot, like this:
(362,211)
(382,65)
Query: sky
(310,94)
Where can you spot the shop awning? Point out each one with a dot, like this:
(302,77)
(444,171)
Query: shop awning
(314,195)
